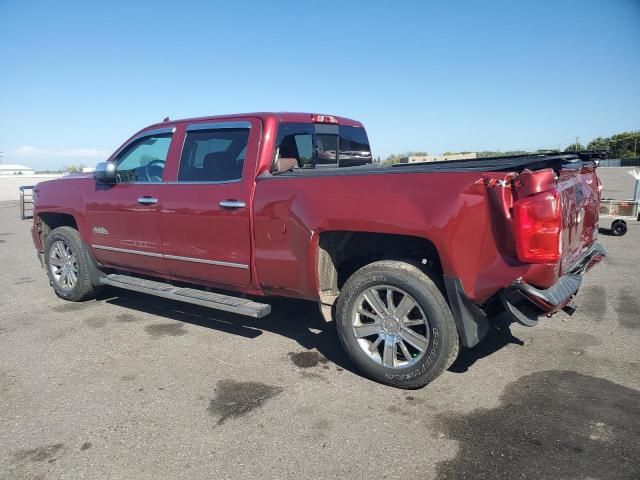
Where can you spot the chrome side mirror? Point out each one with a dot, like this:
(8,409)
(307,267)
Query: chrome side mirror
(105,172)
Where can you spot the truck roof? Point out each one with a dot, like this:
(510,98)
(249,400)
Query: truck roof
(289,117)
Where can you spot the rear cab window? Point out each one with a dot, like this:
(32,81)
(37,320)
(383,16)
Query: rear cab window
(322,145)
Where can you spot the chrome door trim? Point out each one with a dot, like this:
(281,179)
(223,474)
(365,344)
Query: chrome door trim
(172,257)
(208,262)
(148,133)
(180,182)
(147,200)
(232,204)
(126,250)
(218,125)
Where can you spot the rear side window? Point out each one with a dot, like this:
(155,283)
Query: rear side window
(213,155)
(295,140)
(323,145)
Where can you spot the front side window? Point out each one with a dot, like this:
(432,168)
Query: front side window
(215,155)
(143,160)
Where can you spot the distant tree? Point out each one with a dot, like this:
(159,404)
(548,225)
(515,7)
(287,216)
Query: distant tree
(625,145)
(456,153)
(395,158)
(620,145)
(575,147)
(498,153)
(599,144)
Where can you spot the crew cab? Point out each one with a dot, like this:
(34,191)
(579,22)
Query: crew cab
(412,261)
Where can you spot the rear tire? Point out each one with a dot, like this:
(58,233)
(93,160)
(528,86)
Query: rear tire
(66,265)
(407,336)
(618,228)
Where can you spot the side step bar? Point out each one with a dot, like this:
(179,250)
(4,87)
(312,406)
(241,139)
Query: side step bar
(241,306)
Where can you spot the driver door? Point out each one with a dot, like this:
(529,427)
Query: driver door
(124,218)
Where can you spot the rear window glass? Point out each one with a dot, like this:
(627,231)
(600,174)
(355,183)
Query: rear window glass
(354,144)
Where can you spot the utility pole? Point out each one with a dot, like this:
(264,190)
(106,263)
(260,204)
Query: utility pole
(577,144)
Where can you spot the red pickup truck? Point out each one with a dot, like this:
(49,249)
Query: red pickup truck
(410,260)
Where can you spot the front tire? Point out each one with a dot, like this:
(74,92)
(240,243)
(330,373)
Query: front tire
(395,325)
(66,265)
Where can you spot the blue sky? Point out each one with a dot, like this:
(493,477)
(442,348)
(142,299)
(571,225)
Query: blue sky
(77,78)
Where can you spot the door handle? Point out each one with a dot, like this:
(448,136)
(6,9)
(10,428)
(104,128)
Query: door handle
(147,200)
(232,204)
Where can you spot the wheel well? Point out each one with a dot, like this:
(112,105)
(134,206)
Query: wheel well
(342,253)
(50,221)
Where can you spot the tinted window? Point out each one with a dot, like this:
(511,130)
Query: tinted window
(215,155)
(295,140)
(327,148)
(143,160)
(354,145)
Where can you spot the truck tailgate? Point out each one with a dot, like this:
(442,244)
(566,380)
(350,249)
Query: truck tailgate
(579,194)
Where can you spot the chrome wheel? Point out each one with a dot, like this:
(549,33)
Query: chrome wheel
(390,327)
(63,265)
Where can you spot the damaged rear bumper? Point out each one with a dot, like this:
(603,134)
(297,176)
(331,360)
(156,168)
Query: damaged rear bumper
(525,303)
(521,302)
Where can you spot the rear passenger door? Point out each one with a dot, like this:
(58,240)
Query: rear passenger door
(205,218)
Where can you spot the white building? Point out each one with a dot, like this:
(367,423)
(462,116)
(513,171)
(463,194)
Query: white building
(13,169)
(439,158)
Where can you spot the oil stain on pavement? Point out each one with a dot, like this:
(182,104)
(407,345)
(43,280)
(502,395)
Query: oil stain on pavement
(628,311)
(236,399)
(593,302)
(307,359)
(40,454)
(552,424)
(173,329)
(126,318)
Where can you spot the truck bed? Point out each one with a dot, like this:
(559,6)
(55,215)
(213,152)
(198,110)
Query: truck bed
(489,164)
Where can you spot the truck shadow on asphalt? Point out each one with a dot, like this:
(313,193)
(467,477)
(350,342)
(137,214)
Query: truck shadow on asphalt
(298,320)
(496,339)
(550,424)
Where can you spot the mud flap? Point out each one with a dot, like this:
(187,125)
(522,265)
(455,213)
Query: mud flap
(95,274)
(471,322)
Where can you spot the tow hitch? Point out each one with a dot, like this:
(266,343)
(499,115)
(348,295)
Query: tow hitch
(570,308)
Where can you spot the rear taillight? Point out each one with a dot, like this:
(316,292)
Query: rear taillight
(538,224)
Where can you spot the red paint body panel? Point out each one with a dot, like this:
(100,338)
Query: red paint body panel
(449,209)
(466,215)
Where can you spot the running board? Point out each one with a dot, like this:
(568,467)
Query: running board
(241,306)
